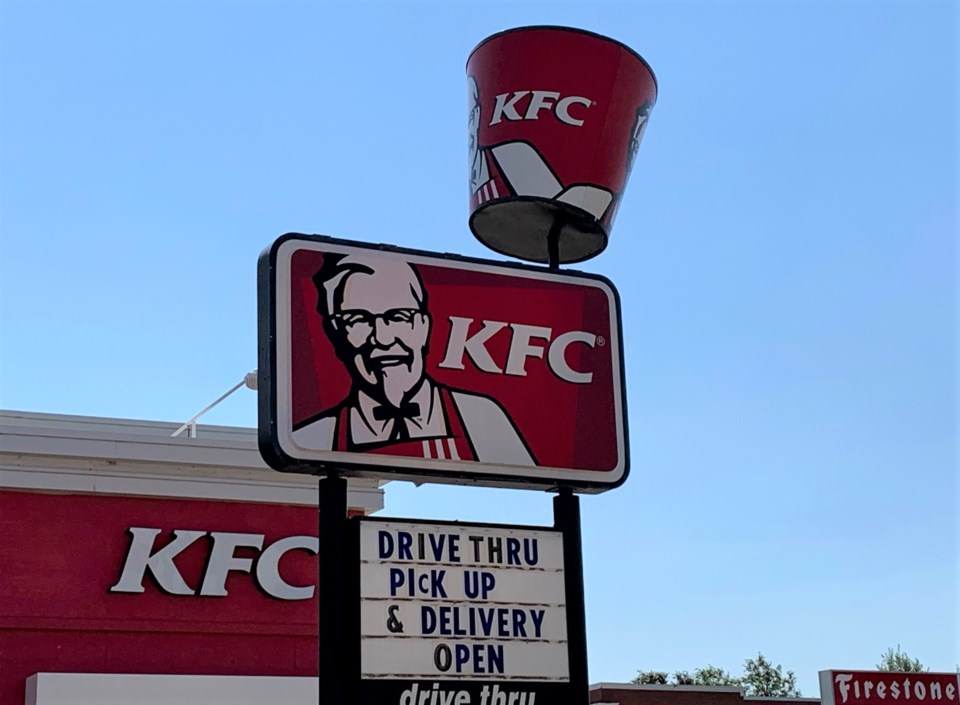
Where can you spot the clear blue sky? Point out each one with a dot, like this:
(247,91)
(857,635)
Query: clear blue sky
(785,253)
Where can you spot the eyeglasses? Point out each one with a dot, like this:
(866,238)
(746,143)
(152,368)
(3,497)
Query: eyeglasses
(363,322)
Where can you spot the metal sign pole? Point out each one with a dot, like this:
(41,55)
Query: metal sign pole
(566,517)
(334,624)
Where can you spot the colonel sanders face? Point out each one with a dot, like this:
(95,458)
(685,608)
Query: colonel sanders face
(636,133)
(379,326)
(473,133)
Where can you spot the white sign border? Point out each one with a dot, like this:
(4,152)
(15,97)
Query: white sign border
(387,467)
(439,525)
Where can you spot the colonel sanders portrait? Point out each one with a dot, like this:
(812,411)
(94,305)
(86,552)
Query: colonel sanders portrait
(640,121)
(374,312)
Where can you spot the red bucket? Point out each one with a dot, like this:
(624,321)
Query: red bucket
(556,116)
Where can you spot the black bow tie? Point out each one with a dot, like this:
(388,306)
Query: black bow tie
(399,416)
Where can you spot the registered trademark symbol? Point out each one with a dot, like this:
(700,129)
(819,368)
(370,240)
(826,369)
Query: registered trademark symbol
(601,341)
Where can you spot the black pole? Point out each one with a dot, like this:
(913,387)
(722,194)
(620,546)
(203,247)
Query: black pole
(553,244)
(566,518)
(334,613)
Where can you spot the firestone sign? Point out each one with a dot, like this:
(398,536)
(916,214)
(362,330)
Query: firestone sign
(887,688)
(391,361)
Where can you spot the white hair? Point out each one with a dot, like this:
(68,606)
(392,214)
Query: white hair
(396,270)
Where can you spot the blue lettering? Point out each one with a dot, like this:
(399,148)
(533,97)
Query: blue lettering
(519,617)
(530,552)
(386,544)
(404,542)
(428,619)
(458,630)
(503,622)
(495,657)
(471,584)
(487,582)
(513,551)
(436,543)
(436,583)
(537,617)
(486,621)
(461,656)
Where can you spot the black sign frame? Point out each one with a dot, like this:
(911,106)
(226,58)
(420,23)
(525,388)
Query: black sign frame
(277,456)
(390,691)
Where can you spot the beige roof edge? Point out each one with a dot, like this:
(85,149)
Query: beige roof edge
(60,452)
(107,424)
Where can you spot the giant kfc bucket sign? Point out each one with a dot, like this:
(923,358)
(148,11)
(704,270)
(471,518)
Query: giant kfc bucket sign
(384,361)
(555,119)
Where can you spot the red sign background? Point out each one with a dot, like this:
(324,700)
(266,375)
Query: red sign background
(566,425)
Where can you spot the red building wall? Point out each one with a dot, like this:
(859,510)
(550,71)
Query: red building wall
(61,553)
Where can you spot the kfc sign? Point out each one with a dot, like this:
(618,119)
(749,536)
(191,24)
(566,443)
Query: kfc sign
(143,558)
(555,117)
(386,361)
(887,688)
(474,346)
(507,107)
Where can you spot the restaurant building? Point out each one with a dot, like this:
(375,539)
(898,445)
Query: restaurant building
(128,551)
(139,567)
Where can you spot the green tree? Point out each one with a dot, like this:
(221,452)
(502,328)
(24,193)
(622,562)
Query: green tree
(898,660)
(711,675)
(762,679)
